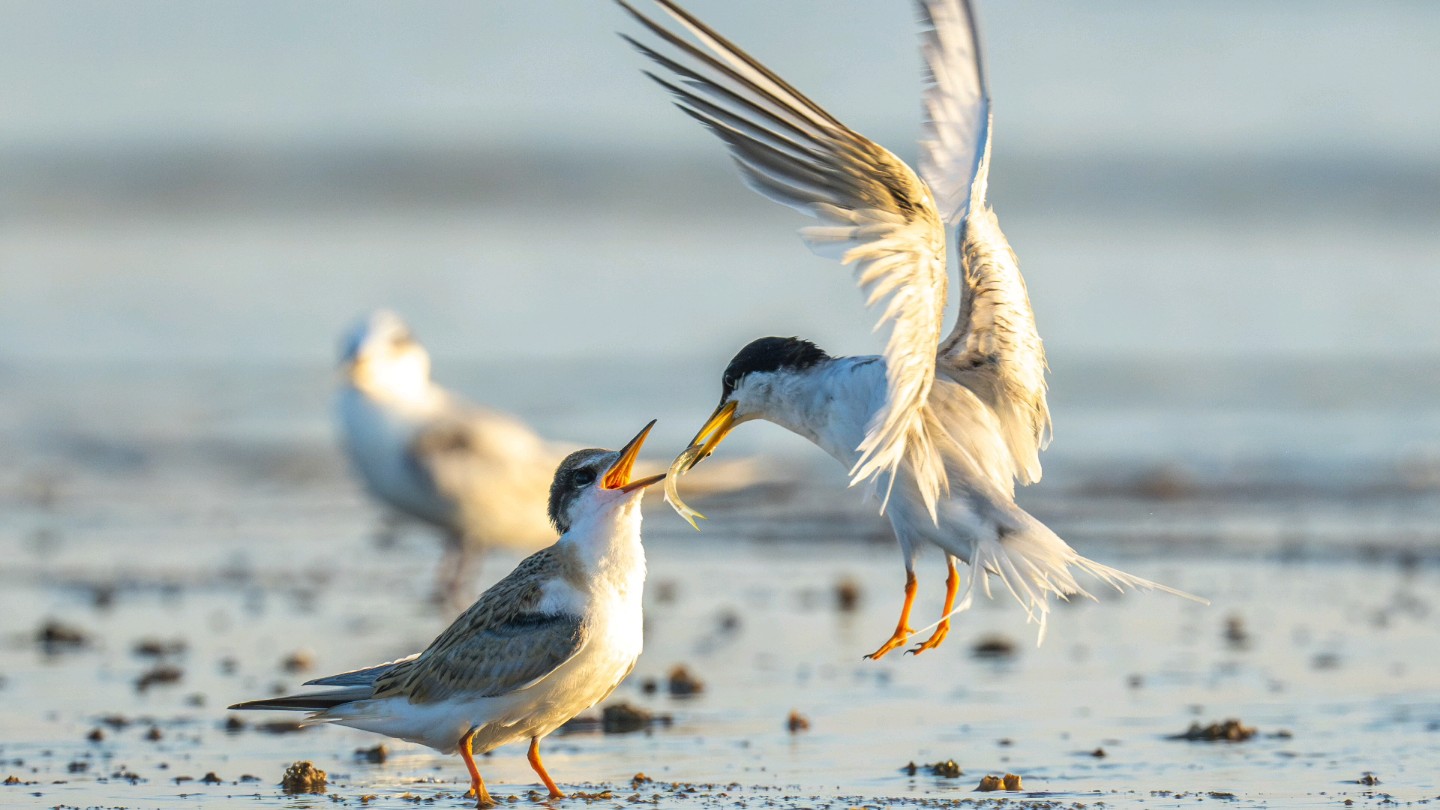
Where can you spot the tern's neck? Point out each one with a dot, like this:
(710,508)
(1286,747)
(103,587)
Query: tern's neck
(829,403)
(606,543)
(396,385)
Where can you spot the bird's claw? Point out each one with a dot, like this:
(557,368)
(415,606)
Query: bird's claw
(902,635)
(941,631)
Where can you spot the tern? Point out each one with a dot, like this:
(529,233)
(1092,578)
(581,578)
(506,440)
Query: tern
(551,639)
(937,428)
(477,474)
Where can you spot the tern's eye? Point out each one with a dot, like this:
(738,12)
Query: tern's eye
(584,477)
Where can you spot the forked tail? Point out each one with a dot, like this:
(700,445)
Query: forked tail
(1033,563)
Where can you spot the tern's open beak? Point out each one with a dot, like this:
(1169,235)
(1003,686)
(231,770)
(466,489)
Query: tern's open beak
(711,434)
(618,476)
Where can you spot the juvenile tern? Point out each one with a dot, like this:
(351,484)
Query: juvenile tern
(551,639)
(938,430)
(476,474)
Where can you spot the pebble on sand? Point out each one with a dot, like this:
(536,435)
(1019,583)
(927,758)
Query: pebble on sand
(948,769)
(303,777)
(298,661)
(377,755)
(54,635)
(797,722)
(993,647)
(623,718)
(162,673)
(158,648)
(682,684)
(1229,731)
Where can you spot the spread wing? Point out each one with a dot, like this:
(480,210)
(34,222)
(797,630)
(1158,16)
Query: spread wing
(956,131)
(502,644)
(994,350)
(875,212)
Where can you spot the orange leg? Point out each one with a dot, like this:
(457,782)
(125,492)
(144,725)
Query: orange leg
(477,785)
(902,628)
(555,792)
(952,587)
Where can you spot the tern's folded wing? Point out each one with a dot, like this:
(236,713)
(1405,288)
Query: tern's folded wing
(876,215)
(502,644)
(466,448)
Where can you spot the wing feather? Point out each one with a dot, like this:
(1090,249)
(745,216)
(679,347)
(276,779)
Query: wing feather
(876,215)
(501,644)
(956,130)
(994,349)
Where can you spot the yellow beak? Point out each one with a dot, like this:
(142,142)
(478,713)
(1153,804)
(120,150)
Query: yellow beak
(618,476)
(711,434)
(720,423)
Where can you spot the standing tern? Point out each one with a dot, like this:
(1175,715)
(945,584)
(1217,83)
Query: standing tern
(551,639)
(476,474)
(937,428)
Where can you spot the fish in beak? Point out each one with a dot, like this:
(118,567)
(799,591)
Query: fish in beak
(618,476)
(711,434)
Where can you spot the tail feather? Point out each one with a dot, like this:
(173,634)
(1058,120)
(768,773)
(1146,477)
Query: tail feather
(318,702)
(1035,563)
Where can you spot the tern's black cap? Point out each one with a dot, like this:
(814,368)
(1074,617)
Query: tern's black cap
(771,354)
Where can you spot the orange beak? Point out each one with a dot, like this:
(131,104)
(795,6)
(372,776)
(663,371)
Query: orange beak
(618,476)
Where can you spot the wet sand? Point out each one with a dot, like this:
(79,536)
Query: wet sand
(203,571)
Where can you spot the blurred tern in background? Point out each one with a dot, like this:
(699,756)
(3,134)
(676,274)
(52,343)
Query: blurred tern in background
(476,474)
(938,430)
(551,639)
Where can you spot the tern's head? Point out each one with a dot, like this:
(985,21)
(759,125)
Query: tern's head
(753,386)
(591,482)
(755,375)
(380,355)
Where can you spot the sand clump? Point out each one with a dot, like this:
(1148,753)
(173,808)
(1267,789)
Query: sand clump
(683,684)
(797,722)
(303,777)
(994,648)
(1009,781)
(947,769)
(1229,731)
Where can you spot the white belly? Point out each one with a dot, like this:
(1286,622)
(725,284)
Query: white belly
(609,655)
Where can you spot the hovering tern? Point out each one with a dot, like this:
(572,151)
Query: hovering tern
(477,474)
(551,639)
(938,429)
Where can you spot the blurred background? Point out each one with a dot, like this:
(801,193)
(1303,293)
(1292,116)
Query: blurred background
(1226,212)
(1230,208)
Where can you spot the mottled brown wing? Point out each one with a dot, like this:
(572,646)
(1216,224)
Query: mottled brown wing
(500,645)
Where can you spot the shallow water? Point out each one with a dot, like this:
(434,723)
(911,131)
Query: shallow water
(234,529)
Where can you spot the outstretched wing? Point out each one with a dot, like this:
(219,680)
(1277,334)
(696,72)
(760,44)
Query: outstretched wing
(956,130)
(994,350)
(501,644)
(876,214)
